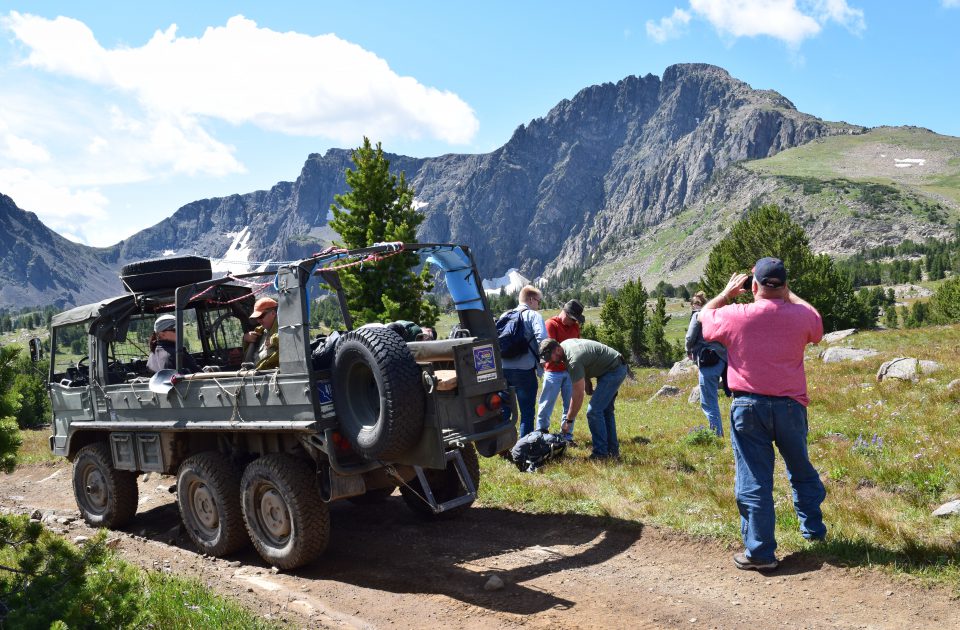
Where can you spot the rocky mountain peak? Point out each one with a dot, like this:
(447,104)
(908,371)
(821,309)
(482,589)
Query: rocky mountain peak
(614,159)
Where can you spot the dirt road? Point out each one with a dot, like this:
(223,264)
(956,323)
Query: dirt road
(385,568)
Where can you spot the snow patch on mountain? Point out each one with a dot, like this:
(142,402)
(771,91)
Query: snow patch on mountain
(237,256)
(511,283)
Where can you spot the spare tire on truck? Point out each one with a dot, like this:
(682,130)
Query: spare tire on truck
(378,393)
(165,273)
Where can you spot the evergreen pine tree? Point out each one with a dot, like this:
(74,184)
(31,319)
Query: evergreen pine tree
(379,209)
(890,317)
(661,352)
(613,327)
(945,303)
(10,438)
(769,231)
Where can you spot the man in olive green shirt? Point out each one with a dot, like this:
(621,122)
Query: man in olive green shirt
(585,358)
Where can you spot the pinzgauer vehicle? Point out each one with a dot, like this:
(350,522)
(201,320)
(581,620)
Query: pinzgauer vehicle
(259,454)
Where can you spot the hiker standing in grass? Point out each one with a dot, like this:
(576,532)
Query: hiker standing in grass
(711,359)
(765,341)
(585,359)
(556,380)
(521,372)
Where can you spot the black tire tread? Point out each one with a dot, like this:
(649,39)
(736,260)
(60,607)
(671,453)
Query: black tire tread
(309,515)
(221,474)
(122,486)
(165,273)
(402,391)
(445,485)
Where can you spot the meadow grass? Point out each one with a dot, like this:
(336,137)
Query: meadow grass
(36,447)
(887,453)
(176,602)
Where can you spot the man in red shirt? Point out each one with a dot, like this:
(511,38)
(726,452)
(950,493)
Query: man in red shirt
(556,380)
(765,341)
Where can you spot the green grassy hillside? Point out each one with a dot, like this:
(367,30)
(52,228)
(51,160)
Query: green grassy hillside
(903,157)
(848,192)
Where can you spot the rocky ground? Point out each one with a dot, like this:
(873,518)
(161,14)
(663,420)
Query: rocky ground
(385,568)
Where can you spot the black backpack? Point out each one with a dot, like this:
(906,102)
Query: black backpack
(512,335)
(535,449)
(323,351)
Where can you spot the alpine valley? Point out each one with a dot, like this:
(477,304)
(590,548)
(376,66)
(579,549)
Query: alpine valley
(633,180)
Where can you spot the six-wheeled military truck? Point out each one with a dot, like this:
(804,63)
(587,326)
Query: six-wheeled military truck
(259,454)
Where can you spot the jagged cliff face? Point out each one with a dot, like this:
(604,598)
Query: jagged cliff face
(613,157)
(38,266)
(615,160)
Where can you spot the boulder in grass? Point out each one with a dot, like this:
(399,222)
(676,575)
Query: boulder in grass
(684,366)
(948,509)
(667,391)
(954,386)
(906,369)
(929,367)
(837,335)
(837,354)
(694,397)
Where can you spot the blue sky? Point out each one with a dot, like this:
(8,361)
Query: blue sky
(113,115)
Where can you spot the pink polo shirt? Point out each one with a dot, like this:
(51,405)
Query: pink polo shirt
(765,342)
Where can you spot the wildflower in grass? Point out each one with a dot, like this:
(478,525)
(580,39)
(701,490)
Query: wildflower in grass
(872,446)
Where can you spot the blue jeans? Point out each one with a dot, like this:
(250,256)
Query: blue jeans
(709,399)
(600,416)
(756,424)
(554,384)
(525,382)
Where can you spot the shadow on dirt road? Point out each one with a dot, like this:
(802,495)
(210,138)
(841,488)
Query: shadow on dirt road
(385,547)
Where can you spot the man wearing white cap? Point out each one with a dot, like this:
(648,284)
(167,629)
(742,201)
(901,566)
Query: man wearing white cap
(163,347)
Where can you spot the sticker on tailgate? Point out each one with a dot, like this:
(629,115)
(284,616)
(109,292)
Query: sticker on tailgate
(484,362)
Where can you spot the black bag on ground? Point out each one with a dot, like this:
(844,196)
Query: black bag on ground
(535,449)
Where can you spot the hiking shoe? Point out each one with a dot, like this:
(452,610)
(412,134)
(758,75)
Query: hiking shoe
(745,563)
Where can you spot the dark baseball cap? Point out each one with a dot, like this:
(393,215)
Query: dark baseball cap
(770,272)
(546,348)
(574,309)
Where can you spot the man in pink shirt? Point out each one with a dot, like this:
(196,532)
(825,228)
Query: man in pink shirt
(765,341)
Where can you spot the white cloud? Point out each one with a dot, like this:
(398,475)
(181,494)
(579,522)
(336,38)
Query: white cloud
(840,12)
(86,120)
(790,21)
(64,209)
(668,27)
(13,147)
(241,73)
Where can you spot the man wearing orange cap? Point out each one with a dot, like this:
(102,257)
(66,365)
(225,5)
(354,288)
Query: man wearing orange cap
(261,345)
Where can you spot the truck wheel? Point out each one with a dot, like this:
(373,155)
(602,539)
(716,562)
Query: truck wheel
(107,497)
(445,485)
(165,273)
(287,522)
(208,493)
(377,392)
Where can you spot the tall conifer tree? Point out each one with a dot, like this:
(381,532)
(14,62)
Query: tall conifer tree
(379,209)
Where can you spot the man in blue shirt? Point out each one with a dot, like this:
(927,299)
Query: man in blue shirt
(521,372)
